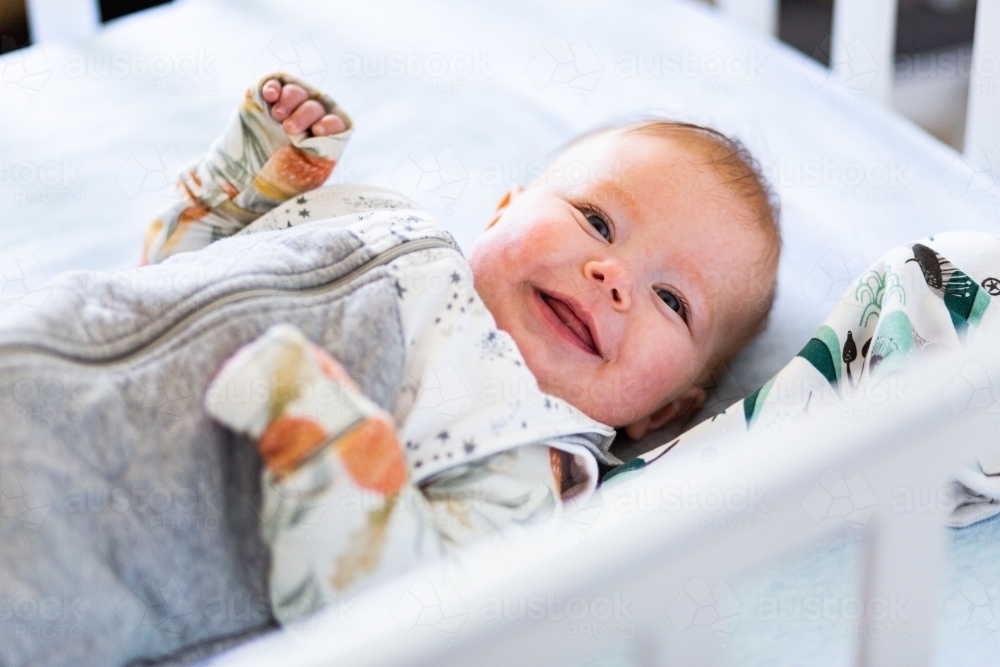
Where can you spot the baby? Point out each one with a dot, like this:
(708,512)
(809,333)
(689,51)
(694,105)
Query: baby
(621,291)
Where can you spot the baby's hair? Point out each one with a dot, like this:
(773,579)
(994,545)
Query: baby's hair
(741,175)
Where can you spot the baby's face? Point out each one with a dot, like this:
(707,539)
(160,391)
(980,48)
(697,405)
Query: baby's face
(621,274)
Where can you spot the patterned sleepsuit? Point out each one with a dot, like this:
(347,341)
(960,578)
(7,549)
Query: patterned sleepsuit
(353,494)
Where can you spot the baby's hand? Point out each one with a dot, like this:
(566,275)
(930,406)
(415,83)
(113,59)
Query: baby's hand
(292,108)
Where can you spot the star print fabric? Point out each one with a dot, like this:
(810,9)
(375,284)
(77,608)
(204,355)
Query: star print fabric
(340,511)
(250,169)
(466,393)
(469,447)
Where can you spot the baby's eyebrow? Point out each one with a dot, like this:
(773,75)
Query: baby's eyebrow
(619,196)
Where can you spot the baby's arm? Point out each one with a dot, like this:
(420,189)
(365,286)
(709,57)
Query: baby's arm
(340,511)
(285,139)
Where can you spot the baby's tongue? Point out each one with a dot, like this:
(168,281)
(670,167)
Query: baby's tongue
(569,318)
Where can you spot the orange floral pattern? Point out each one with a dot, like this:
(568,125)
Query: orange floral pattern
(288,441)
(371,453)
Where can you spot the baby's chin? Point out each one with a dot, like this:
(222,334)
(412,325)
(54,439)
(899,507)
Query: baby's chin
(614,415)
(599,399)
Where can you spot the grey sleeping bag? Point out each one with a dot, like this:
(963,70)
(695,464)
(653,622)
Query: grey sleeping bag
(128,519)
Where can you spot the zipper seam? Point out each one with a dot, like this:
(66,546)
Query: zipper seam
(381,259)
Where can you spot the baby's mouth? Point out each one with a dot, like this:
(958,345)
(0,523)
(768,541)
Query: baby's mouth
(571,321)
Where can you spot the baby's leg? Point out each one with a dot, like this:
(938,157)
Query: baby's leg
(340,511)
(518,487)
(285,139)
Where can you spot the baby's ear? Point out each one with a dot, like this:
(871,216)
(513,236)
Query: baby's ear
(507,198)
(682,406)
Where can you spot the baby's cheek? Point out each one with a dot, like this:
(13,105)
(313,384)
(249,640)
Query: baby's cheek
(518,256)
(651,383)
(508,260)
(662,372)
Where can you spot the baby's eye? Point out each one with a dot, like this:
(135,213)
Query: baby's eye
(671,300)
(599,224)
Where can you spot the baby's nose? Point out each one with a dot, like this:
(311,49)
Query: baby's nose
(613,280)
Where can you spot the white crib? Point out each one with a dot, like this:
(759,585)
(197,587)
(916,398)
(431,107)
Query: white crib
(646,588)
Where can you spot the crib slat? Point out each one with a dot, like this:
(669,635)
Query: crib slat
(760,14)
(62,19)
(863,44)
(903,554)
(982,127)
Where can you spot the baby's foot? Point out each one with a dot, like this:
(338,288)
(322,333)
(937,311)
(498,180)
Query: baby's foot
(292,108)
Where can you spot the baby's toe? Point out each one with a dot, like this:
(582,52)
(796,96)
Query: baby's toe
(328,124)
(303,117)
(271,91)
(291,97)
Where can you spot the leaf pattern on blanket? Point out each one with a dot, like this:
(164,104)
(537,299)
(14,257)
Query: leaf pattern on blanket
(823,352)
(753,402)
(875,289)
